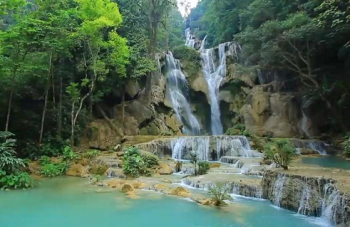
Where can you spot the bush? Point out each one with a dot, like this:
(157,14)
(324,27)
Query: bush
(281,152)
(44,160)
(69,154)
(219,193)
(91,154)
(54,169)
(190,59)
(346,146)
(8,160)
(133,164)
(194,161)
(203,167)
(149,159)
(14,181)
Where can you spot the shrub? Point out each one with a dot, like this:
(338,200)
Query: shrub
(91,154)
(8,160)
(54,169)
(203,167)
(133,164)
(346,146)
(194,161)
(149,159)
(281,152)
(190,58)
(14,181)
(219,193)
(69,154)
(44,160)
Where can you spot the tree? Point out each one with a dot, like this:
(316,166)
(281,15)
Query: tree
(100,19)
(281,152)
(219,193)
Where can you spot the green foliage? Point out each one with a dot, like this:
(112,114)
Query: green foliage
(8,160)
(346,146)
(54,169)
(194,160)
(190,59)
(133,163)
(281,152)
(219,193)
(69,154)
(91,154)
(14,181)
(44,160)
(203,167)
(149,159)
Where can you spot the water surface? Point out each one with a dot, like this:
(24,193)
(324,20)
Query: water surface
(73,202)
(328,161)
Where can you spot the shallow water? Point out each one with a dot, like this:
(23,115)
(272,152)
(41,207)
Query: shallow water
(329,161)
(73,202)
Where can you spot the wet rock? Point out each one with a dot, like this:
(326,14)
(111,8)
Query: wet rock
(215,165)
(165,169)
(138,185)
(180,191)
(77,170)
(127,188)
(98,169)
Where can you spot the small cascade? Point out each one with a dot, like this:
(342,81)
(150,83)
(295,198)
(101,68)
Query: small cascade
(237,146)
(176,92)
(278,189)
(190,39)
(305,121)
(183,146)
(214,72)
(304,205)
(329,202)
(318,146)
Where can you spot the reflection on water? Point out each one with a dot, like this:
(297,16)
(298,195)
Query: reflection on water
(328,161)
(73,202)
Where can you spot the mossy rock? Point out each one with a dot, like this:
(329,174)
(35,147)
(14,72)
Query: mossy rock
(98,169)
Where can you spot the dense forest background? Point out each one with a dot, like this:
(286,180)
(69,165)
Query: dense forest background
(60,59)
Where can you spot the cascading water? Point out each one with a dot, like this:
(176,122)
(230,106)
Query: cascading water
(176,92)
(305,120)
(278,189)
(237,146)
(214,74)
(198,145)
(304,205)
(190,40)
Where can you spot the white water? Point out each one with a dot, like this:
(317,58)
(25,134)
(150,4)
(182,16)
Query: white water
(176,92)
(198,145)
(329,202)
(190,39)
(214,72)
(305,121)
(304,205)
(237,146)
(278,189)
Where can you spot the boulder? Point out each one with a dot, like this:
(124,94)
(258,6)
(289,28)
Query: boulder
(98,169)
(165,169)
(77,170)
(127,188)
(180,191)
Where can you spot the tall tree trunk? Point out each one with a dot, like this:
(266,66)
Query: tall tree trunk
(123,109)
(59,116)
(45,104)
(72,125)
(9,110)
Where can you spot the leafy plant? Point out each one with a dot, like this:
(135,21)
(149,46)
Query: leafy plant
(281,152)
(44,160)
(8,160)
(133,164)
(203,167)
(219,193)
(54,169)
(346,146)
(149,159)
(91,154)
(194,160)
(14,181)
(69,154)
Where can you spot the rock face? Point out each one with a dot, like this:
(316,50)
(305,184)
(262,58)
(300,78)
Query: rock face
(165,169)
(77,170)
(315,196)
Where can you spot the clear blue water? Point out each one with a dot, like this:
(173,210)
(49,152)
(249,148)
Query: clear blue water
(66,202)
(328,161)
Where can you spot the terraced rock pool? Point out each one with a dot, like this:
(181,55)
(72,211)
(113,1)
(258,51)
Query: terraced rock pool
(66,202)
(328,161)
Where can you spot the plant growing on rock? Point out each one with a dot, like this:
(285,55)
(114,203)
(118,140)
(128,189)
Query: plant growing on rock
(194,161)
(219,193)
(346,146)
(203,167)
(133,163)
(281,152)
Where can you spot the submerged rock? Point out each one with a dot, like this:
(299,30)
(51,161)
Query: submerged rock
(77,170)
(180,191)
(127,188)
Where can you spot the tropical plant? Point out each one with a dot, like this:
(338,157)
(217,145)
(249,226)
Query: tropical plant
(133,164)
(8,160)
(203,167)
(346,146)
(91,154)
(14,181)
(149,159)
(54,169)
(281,152)
(219,193)
(69,154)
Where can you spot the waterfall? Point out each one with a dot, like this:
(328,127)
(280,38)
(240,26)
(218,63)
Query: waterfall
(278,189)
(214,74)
(185,145)
(304,205)
(329,202)
(237,146)
(190,39)
(305,120)
(176,92)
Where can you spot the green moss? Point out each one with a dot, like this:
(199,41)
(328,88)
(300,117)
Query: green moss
(190,59)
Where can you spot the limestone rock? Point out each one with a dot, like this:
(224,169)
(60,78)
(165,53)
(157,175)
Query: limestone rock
(138,185)
(98,169)
(200,84)
(34,168)
(132,87)
(165,169)
(215,165)
(127,188)
(180,191)
(77,170)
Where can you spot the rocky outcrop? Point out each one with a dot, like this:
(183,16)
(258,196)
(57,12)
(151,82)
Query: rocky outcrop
(77,170)
(315,196)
